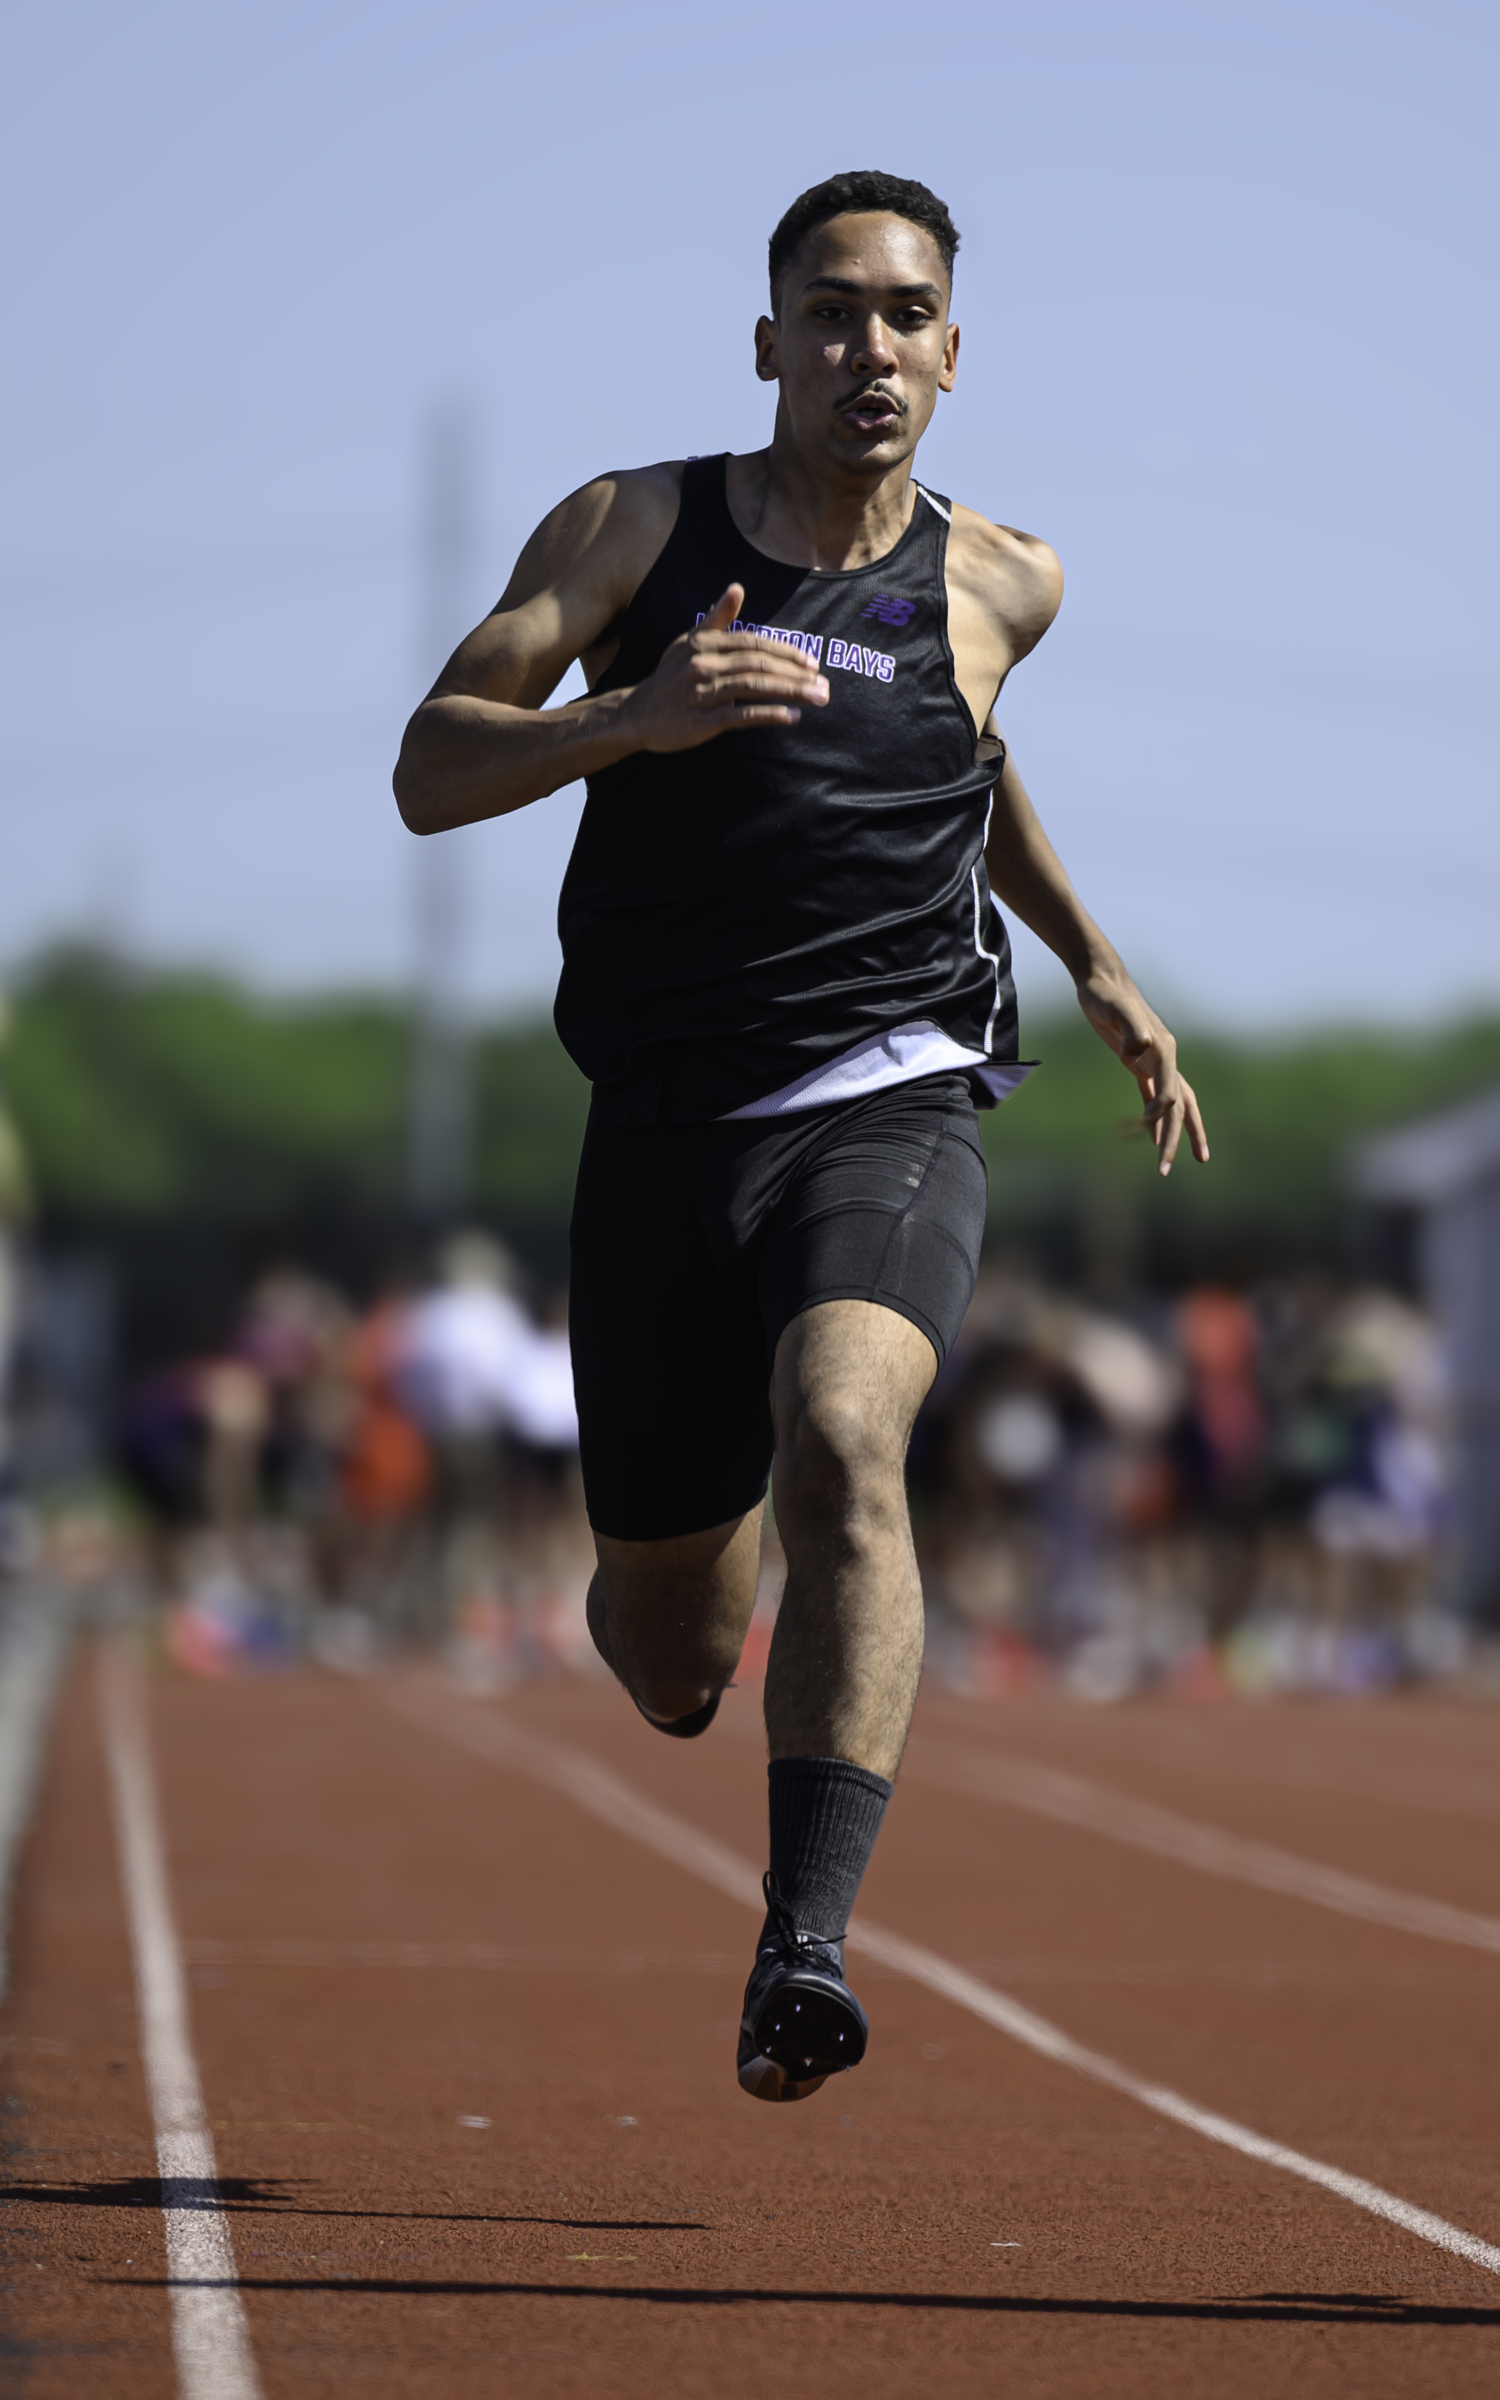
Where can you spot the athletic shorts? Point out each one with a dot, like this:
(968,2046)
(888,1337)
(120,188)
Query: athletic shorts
(694,1246)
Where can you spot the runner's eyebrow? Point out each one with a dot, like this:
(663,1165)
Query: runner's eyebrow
(896,291)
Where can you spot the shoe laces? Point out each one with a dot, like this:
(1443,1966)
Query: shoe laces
(787,1929)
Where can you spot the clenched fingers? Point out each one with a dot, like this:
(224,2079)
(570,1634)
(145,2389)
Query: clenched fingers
(712,679)
(725,720)
(715,686)
(719,652)
(746,679)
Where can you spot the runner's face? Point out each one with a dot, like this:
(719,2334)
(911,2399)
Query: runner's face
(861,344)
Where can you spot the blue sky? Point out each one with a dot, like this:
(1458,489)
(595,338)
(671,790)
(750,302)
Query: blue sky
(1227,300)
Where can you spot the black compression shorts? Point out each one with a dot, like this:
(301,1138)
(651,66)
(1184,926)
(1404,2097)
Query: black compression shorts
(694,1246)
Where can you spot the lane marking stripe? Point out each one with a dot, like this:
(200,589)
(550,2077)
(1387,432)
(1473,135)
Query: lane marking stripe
(607,1796)
(1141,1825)
(210,2339)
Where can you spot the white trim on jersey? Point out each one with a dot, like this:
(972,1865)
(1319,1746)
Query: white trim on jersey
(989,1031)
(945,513)
(899,1056)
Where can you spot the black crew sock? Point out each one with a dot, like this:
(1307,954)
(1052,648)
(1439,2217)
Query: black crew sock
(825,1814)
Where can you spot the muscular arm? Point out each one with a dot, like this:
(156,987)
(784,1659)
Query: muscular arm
(482,743)
(1004,589)
(1028,878)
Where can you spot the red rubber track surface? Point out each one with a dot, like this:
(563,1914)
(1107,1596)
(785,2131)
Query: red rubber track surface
(387,1934)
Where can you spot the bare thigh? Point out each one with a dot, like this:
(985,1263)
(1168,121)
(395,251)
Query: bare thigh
(670,1617)
(850,1376)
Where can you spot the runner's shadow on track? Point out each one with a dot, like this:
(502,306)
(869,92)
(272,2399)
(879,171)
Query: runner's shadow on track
(1291,2308)
(230,2192)
(490,2216)
(1384,2304)
(600,2224)
(238,2195)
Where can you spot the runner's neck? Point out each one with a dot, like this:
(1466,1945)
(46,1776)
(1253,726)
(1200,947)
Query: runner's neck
(802,517)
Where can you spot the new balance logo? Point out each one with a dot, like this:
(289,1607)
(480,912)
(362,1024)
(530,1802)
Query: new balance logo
(887,611)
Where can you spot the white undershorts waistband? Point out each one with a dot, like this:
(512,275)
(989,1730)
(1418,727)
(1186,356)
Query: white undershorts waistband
(899,1056)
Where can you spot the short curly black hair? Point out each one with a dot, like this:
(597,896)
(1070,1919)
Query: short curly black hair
(867,188)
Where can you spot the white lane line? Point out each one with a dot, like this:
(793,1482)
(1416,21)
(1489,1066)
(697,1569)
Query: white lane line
(1094,1808)
(210,2339)
(34,1646)
(607,1796)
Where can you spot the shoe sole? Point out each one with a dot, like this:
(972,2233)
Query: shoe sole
(763,2079)
(807,2032)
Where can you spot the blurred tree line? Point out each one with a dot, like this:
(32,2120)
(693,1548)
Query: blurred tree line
(158,1094)
(154,1098)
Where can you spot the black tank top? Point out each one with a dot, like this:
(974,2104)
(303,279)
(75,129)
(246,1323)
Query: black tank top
(735,915)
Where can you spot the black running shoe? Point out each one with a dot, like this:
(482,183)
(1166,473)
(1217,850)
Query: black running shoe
(801,2022)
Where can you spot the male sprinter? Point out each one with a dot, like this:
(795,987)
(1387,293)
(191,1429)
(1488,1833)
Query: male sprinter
(785,977)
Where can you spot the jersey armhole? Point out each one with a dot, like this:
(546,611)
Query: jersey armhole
(621,625)
(950,662)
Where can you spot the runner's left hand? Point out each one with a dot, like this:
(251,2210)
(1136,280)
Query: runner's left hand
(1141,1042)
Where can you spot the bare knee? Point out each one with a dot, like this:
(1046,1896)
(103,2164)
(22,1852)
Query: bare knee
(848,1381)
(840,1472)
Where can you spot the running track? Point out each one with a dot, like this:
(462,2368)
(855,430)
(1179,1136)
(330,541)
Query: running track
(395,1910)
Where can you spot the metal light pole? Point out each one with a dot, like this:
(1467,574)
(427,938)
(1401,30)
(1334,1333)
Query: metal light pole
(441,1129)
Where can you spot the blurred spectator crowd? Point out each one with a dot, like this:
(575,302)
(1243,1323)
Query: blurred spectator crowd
(355,1481)
(1225,1491)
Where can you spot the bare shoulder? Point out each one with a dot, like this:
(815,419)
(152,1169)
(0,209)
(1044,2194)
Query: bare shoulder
(628,501)
(577,573)
(1016,576)
(608,532)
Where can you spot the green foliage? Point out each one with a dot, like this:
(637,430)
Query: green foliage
(530,1106)
(1282,1118)
(174,1096)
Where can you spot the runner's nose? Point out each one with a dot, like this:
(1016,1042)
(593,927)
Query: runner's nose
(874,353)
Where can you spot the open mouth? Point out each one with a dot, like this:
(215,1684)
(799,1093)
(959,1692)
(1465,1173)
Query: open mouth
(872,412)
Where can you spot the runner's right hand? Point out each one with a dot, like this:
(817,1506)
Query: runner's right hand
(711,680)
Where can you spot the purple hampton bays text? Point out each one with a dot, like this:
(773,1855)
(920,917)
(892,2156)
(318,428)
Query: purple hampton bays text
(853,657)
